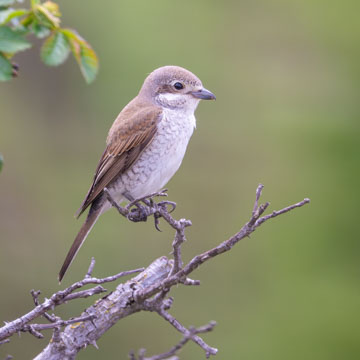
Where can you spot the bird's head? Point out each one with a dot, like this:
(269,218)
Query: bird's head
(174,87)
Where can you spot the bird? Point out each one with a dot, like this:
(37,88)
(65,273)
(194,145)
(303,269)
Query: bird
(145,145)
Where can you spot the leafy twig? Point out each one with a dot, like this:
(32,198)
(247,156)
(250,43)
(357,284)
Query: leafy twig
(42,20)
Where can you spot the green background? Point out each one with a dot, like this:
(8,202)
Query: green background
(286,76)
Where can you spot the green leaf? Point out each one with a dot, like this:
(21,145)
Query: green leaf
(89,64)
(11,41)
(84,55)
(34,3)
(55,49)
(28,20)
(1,162)
(5,68)
(45,17)
(53,8)
(39,30)
(4,14)
(6,2)
(8,14)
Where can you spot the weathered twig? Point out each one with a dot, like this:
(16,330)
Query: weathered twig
(255,221)
(282,211)
(146,292)
(35,329)
(173,351)
(57,299)
(91,268)
(35,295)
(106,312)
(187,333)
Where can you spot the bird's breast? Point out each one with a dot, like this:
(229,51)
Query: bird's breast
(162,157)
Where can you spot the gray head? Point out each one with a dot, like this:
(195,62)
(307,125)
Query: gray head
(175,88)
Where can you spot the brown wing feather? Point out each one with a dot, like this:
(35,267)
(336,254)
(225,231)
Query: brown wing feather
(131,132)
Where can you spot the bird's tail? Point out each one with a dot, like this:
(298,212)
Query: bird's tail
(90,221)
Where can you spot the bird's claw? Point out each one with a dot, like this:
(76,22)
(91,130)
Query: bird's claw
(157,217)
(140,213)
(165,203)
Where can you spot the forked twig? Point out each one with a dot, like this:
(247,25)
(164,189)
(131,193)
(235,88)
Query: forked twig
(60,297)
(148,291)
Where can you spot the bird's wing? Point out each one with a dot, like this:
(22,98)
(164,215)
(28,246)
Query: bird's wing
(131,132)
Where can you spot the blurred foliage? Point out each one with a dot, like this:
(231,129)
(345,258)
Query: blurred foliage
(286,77)
(42,20)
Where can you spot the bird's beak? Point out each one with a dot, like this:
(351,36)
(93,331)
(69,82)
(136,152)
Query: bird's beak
(203,94)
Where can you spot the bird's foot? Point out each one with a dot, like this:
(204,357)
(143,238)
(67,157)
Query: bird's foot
(139,213)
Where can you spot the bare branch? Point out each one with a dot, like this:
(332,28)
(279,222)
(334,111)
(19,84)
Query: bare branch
(91,268)
(148,291)
(106,312)
(190,282)
(170,354)
(35,295)
(257,198)
(188,334)
(179,239)
(59,323)
(85,293)
(282,211)
(254,222)
(56,299)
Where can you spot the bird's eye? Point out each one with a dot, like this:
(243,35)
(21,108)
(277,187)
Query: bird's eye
(178,86)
